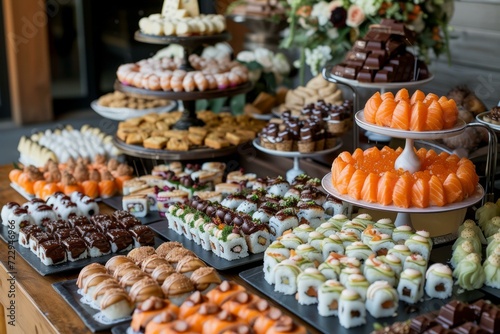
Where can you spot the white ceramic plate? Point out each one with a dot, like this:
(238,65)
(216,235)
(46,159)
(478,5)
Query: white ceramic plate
(378,85)
(296,154)
(120,114)
(480,119)
(360,120)
(326,182)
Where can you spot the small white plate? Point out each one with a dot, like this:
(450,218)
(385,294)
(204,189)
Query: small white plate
(120,114)
(480,119)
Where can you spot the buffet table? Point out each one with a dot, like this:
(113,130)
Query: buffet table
(35,307)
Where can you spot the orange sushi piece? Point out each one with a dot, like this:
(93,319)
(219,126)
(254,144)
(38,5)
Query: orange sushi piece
(386,187)
(436,192)
(435,117)
(358,155)
(370,188)
(418,116)
(14,175)
(337,167)
(107,188)
(401,196)
(90,188)
(453,159)
(384,112)
(453,188)
(49,189)
(356,184)
(420,191)
(38,187)
(371,107)
(387,95)
(418,95)
(466,176)
(429,98)
(402,94)
(401,116)
(346,157)
(344,178)
(450,113)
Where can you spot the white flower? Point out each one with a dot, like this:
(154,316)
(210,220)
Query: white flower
(332,33)
(265,58)
(321,11)
(210,52)
(317,58)
(280,64)
(219,50)
(246,56)
(369,7)
(171,51)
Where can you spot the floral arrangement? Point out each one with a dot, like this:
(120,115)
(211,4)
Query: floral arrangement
(326,30)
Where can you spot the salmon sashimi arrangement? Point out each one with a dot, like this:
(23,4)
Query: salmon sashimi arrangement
(370,176)
(418,112)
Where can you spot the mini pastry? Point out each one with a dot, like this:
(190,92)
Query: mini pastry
(189,264)
(150,263)
(150,308)
(166,247)
(139,254)
(203,277)
(87,271)
(115,261)
(161,272)
(176,284)
(131,277)
(144,289)
(116,304)
(223,292)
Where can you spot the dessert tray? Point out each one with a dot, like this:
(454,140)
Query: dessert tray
(309,313)
(481,119)
(120,114)
(162,229)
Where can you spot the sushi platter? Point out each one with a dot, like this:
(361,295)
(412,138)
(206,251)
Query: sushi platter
(162,229)
(309,313)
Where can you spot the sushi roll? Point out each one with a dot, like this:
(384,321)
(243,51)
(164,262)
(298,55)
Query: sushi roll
(232,201)
(256,235)
(352,310)
(223,292)
(439,281)
(284,219)
(492,271)
(312,194)
(411,286)
(376,270)
(385,226)
(52,253)
(145,289)
(149,309)
(203,233)
(66,209)
(120,240)
(212,230)
(338,220)
(278,187)
(43,214)
(194,226)
(334,206)
(302,262)
(278,247)
(312,213)
(161,272)
(348,237)
(116,304)
(328,297)
(358,250)
(381,300)
(75,248)
(469,234)
(302,231)
(86,272)
(417,262)
(469,223)
(184,222)
(402,233)
(87,205)
(270,261)
(101,288)
(380,244)
(315,239)
(7,209)
(426,235)
(327,229)
(136,204)
(368,233)
(285,277)
(97,244)
(284,325)
(32,204)
(392,261)
(357,283)
(346,272)
(92,281)
(469,273)
(150,263)
(330,268)
(142,235)
(232,245)
(355,227)
(55,198)
(493,243)
(290,240)
(36,239)
(18,219)
(308,283)
(420,245)
(462,250)
(177,284)
(264,213)
(332,244)
(364,219)
(348,262)
(25,233)
(401,251)
(249,205)
(310,253)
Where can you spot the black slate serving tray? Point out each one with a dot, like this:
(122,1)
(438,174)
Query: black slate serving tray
(116,203)
(328,325)
(161,228)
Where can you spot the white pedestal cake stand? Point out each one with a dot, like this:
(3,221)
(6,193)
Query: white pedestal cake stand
(408,160)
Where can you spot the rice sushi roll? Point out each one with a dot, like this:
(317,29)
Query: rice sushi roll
(330,268)
(32,204)
(232,245)
(355,227)
(25,233)
(348,271)
(278,187)
(302,231)
(232,201)
(249,205)
(332,244)
(376,270)
(348,237)
(211,231)
(277,247)
(285,277)
(417,262)
(411,286)
(263,214)
(284,219)
(311,212)
(385,226)
(51,253)
(327,229)
(87,205)
(358,283)
(334,206)
(402,233)
(420,245)
(492,271)
(270,261)
(381,300)
(364,219)
(302,262)
(310,253)
(308,283)
(7,209)
(358,250)
(290,240)
(18,219)
(439,281)
(338,221)
(256,235)
(392,261)
(352,310)
(328,298)
(368,233)
(380,244)
(315,239)
(401,251)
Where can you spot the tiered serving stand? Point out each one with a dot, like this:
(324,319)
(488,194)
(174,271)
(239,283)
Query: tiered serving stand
(187,99)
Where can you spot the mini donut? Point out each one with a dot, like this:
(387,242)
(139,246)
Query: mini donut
(165,81)
(201,81)
(188,82)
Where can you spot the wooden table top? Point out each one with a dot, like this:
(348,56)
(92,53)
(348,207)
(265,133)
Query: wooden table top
(39,288)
